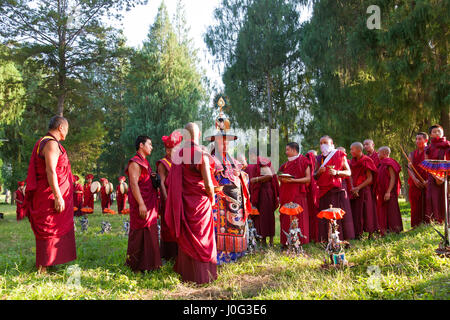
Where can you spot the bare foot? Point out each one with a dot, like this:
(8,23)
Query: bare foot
(42,270)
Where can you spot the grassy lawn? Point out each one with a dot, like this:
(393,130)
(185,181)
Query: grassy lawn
(400,266)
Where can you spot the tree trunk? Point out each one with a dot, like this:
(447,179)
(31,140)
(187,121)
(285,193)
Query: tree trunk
(269,104)
(445,120)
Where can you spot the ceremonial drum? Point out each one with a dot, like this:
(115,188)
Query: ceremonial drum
(109,188)
(95,187)
(123,188)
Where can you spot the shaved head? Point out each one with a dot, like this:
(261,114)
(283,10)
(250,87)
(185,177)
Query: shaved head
(369,146)
(193,131)
(384,152)
(357,145)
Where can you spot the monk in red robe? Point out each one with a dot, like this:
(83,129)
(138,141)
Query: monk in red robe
(388,188)
(105,197)
(363,204)
(331,167)
(369,146)
(77,196)
(439,149)
(143,247)
(88,196)
(20,197)
(264,193)
(313,201)
(417,186)
(189,210)
(49,198)
(121,197)
(294,190)
(168,245)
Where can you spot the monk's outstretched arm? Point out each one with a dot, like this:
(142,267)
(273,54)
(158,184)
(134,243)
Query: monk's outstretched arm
(51,154)
(162,171)
(134,170)
(206,174)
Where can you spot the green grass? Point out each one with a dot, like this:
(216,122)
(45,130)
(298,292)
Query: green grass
(408,269)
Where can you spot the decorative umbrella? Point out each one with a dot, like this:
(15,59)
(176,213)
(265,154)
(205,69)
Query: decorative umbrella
(440,169)
(331,213)
(255,211)
(291,209)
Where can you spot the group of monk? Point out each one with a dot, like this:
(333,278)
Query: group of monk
(84,196)
(205,198)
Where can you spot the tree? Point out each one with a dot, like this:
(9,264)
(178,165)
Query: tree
(66,35)
(264,75)
(11,90)
(165,87)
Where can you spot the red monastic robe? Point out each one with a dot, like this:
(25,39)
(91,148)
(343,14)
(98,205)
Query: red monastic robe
(168,245)
(190,218)
(121,199)
(375,158)
(143,247)
(439,149)
(389,216)
(417,196)
(364,206)
(78,198)
(54,231)
(105,198)
(20,211)
(313,203)
(264,197)
(88,201)
(295,192)
(331,192)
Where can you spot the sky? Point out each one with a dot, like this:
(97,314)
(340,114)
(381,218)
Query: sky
(199,15)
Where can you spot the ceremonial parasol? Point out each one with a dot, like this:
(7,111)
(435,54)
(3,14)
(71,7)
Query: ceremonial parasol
(291,209)
(255,211)
(440,169)
(331,213)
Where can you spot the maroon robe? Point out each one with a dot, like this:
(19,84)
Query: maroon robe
(313,204)
(363,206)
(121,200)
(264,197)
(375,158)
(417,196)
(331,192)
(295,192)
(143,247)
(78,198)
(54,231)
(105,199)
(439,149)
(190,218)
(389,216)
(88,201)
(168,245)
(20,211)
